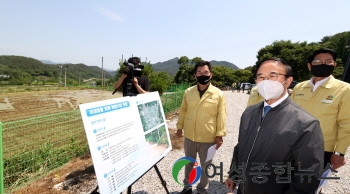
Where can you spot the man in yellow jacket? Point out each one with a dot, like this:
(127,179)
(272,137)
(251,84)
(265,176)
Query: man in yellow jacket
(327,99)
(254,96)
(202,118)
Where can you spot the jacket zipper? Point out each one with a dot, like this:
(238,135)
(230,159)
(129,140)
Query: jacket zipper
(251,149)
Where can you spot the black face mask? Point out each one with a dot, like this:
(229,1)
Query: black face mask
(322,70)
(203,79)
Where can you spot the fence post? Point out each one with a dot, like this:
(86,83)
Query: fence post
(166,104)
(1,163)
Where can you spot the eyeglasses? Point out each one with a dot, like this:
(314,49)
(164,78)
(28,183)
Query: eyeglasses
(319,62)
(272,76)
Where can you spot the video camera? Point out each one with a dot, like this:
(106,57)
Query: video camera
(133,67)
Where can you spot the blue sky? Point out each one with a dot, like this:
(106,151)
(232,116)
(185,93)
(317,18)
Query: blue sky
(224,30)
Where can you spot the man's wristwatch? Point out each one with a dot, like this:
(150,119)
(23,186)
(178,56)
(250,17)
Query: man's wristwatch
(338,153)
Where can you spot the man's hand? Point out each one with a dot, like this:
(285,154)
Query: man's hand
(218,142)
(126,70)
(135,81)
(337,161)
(179,133)
(230,185)
(124,75)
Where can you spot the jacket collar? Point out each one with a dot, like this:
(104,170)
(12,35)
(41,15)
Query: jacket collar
(279,106)
(210,90)
(326,84)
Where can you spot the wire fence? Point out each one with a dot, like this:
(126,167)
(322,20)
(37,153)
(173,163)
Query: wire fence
(30,148)
(33,147)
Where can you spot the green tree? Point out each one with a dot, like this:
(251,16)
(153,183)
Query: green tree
(148,69)
(196,60)
(185,74)
(252,77)
(339,43)
(98,82)
(222,76)
(242,75)
(183,60)
(296,54)
(120,70)
(160,81)
(110,82)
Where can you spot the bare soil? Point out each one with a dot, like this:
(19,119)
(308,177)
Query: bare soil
(17,106)
(77,176)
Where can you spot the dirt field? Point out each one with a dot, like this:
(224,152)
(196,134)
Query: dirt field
(79,173)
(22,105)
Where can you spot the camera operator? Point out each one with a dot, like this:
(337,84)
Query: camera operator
(131,80)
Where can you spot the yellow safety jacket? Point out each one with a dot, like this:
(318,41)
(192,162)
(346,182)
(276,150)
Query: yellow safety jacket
(202,119)
(330,104)
(254,96)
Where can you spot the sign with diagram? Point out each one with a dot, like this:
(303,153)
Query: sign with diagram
(126,137)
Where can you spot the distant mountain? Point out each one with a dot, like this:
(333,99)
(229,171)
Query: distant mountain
(224,63)
(51,63)
(171,66)
(47,62)
(19,65)
(109,70)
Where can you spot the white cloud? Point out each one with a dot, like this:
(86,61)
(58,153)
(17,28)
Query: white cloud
(111,15)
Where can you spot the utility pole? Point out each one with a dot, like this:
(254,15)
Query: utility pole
(60,77)
(102,75)
(65,77)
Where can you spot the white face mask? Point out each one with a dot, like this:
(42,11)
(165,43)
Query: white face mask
(270,89)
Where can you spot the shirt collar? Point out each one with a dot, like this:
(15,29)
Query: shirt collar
(319,83)
(204,89)
(277,102)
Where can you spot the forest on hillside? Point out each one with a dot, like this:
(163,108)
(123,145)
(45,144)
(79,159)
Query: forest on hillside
(18,70)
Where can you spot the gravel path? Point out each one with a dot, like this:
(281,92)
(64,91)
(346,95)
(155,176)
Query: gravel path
(236,103)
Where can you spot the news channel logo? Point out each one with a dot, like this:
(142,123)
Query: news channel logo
(194,175)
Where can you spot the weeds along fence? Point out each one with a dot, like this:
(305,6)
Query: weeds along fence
(31,148)
(172,98)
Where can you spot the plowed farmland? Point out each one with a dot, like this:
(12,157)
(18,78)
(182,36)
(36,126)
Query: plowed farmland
(23,105)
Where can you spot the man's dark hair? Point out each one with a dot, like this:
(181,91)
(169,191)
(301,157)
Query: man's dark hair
(322,50)
(201,63)
(134,60)
(285,64)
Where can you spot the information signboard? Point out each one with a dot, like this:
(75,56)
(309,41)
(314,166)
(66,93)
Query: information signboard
(126,137)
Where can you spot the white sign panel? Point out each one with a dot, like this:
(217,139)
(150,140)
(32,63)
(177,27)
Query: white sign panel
(126,137)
